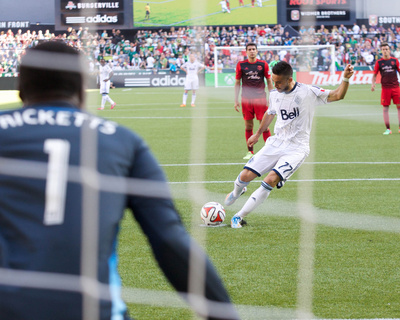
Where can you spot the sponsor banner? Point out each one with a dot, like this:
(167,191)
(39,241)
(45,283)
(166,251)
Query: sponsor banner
(99,19)
(9,74)
(134,79)
(318,78)
(71,6)
(386,21)
(313,12)
(14,24)
(325,78)
(94,14)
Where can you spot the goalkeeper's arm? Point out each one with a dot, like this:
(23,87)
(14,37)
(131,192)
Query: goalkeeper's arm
(173,247)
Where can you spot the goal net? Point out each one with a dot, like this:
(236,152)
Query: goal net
(301,57)
(308,252)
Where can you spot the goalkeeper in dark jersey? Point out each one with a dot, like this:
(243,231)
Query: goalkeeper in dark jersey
(66,177)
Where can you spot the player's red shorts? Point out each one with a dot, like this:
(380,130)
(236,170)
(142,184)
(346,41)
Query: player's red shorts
(388,94)
(254,107)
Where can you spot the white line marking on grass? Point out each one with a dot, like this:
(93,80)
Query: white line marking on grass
(166,118)
(126,89)
(303,180)
(133,105)
(243,163)
(289,209)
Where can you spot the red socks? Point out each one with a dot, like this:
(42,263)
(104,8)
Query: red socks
(266,134)
(386,117)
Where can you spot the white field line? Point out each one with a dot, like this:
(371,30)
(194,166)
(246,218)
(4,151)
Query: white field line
(243,163)
(289,209)
(304,180)
(292,180)
(239,117)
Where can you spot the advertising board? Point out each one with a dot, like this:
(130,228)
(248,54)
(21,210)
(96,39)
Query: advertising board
(98,14)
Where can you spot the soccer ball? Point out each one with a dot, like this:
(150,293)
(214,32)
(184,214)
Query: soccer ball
(212,214)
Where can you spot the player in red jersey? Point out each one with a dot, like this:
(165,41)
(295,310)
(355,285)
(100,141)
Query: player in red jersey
(388,67)
(252,72)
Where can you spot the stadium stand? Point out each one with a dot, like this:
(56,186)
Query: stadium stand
(170,48)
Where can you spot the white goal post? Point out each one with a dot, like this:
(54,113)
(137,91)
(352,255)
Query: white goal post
(301,57)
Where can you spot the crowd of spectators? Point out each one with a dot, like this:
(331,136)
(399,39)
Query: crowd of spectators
(168,49)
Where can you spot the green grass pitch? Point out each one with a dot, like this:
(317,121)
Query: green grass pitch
(205,12)
(352,177)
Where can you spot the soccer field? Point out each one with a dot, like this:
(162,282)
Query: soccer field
(205,12)
(328,240)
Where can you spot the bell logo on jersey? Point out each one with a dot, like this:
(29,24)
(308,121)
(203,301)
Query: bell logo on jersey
(290,115)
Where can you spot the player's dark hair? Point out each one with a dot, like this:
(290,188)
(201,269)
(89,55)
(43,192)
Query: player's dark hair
(251,44)
(385,44)
(283,68)
(36,83)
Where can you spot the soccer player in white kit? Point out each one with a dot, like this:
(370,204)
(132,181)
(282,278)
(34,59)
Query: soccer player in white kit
(192,69)
(105,73)
(294,104)
(224,6)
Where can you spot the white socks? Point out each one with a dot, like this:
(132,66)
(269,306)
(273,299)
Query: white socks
(105,98)
(238,186)
(109,99)
(193,98)
(185,95)
(103,101)
(256,198)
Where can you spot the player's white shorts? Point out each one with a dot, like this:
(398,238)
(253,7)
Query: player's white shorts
(105,87)
(284,161)
(191,83)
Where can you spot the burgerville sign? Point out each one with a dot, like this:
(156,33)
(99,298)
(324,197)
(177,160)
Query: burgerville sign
(94,15)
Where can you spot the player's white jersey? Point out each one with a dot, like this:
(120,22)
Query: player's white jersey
(192,68)
(223,4)
(295,112)
(104,71)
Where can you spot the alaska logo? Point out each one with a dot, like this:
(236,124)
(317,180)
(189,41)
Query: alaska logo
(291,115)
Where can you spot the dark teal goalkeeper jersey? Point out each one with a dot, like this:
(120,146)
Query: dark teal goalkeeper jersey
(41,205)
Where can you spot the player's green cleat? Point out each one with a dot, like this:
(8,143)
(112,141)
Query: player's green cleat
(388,131)
(248,156)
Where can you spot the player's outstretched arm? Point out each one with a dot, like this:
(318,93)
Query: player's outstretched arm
(340,92)
(265,122)
(171,244)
